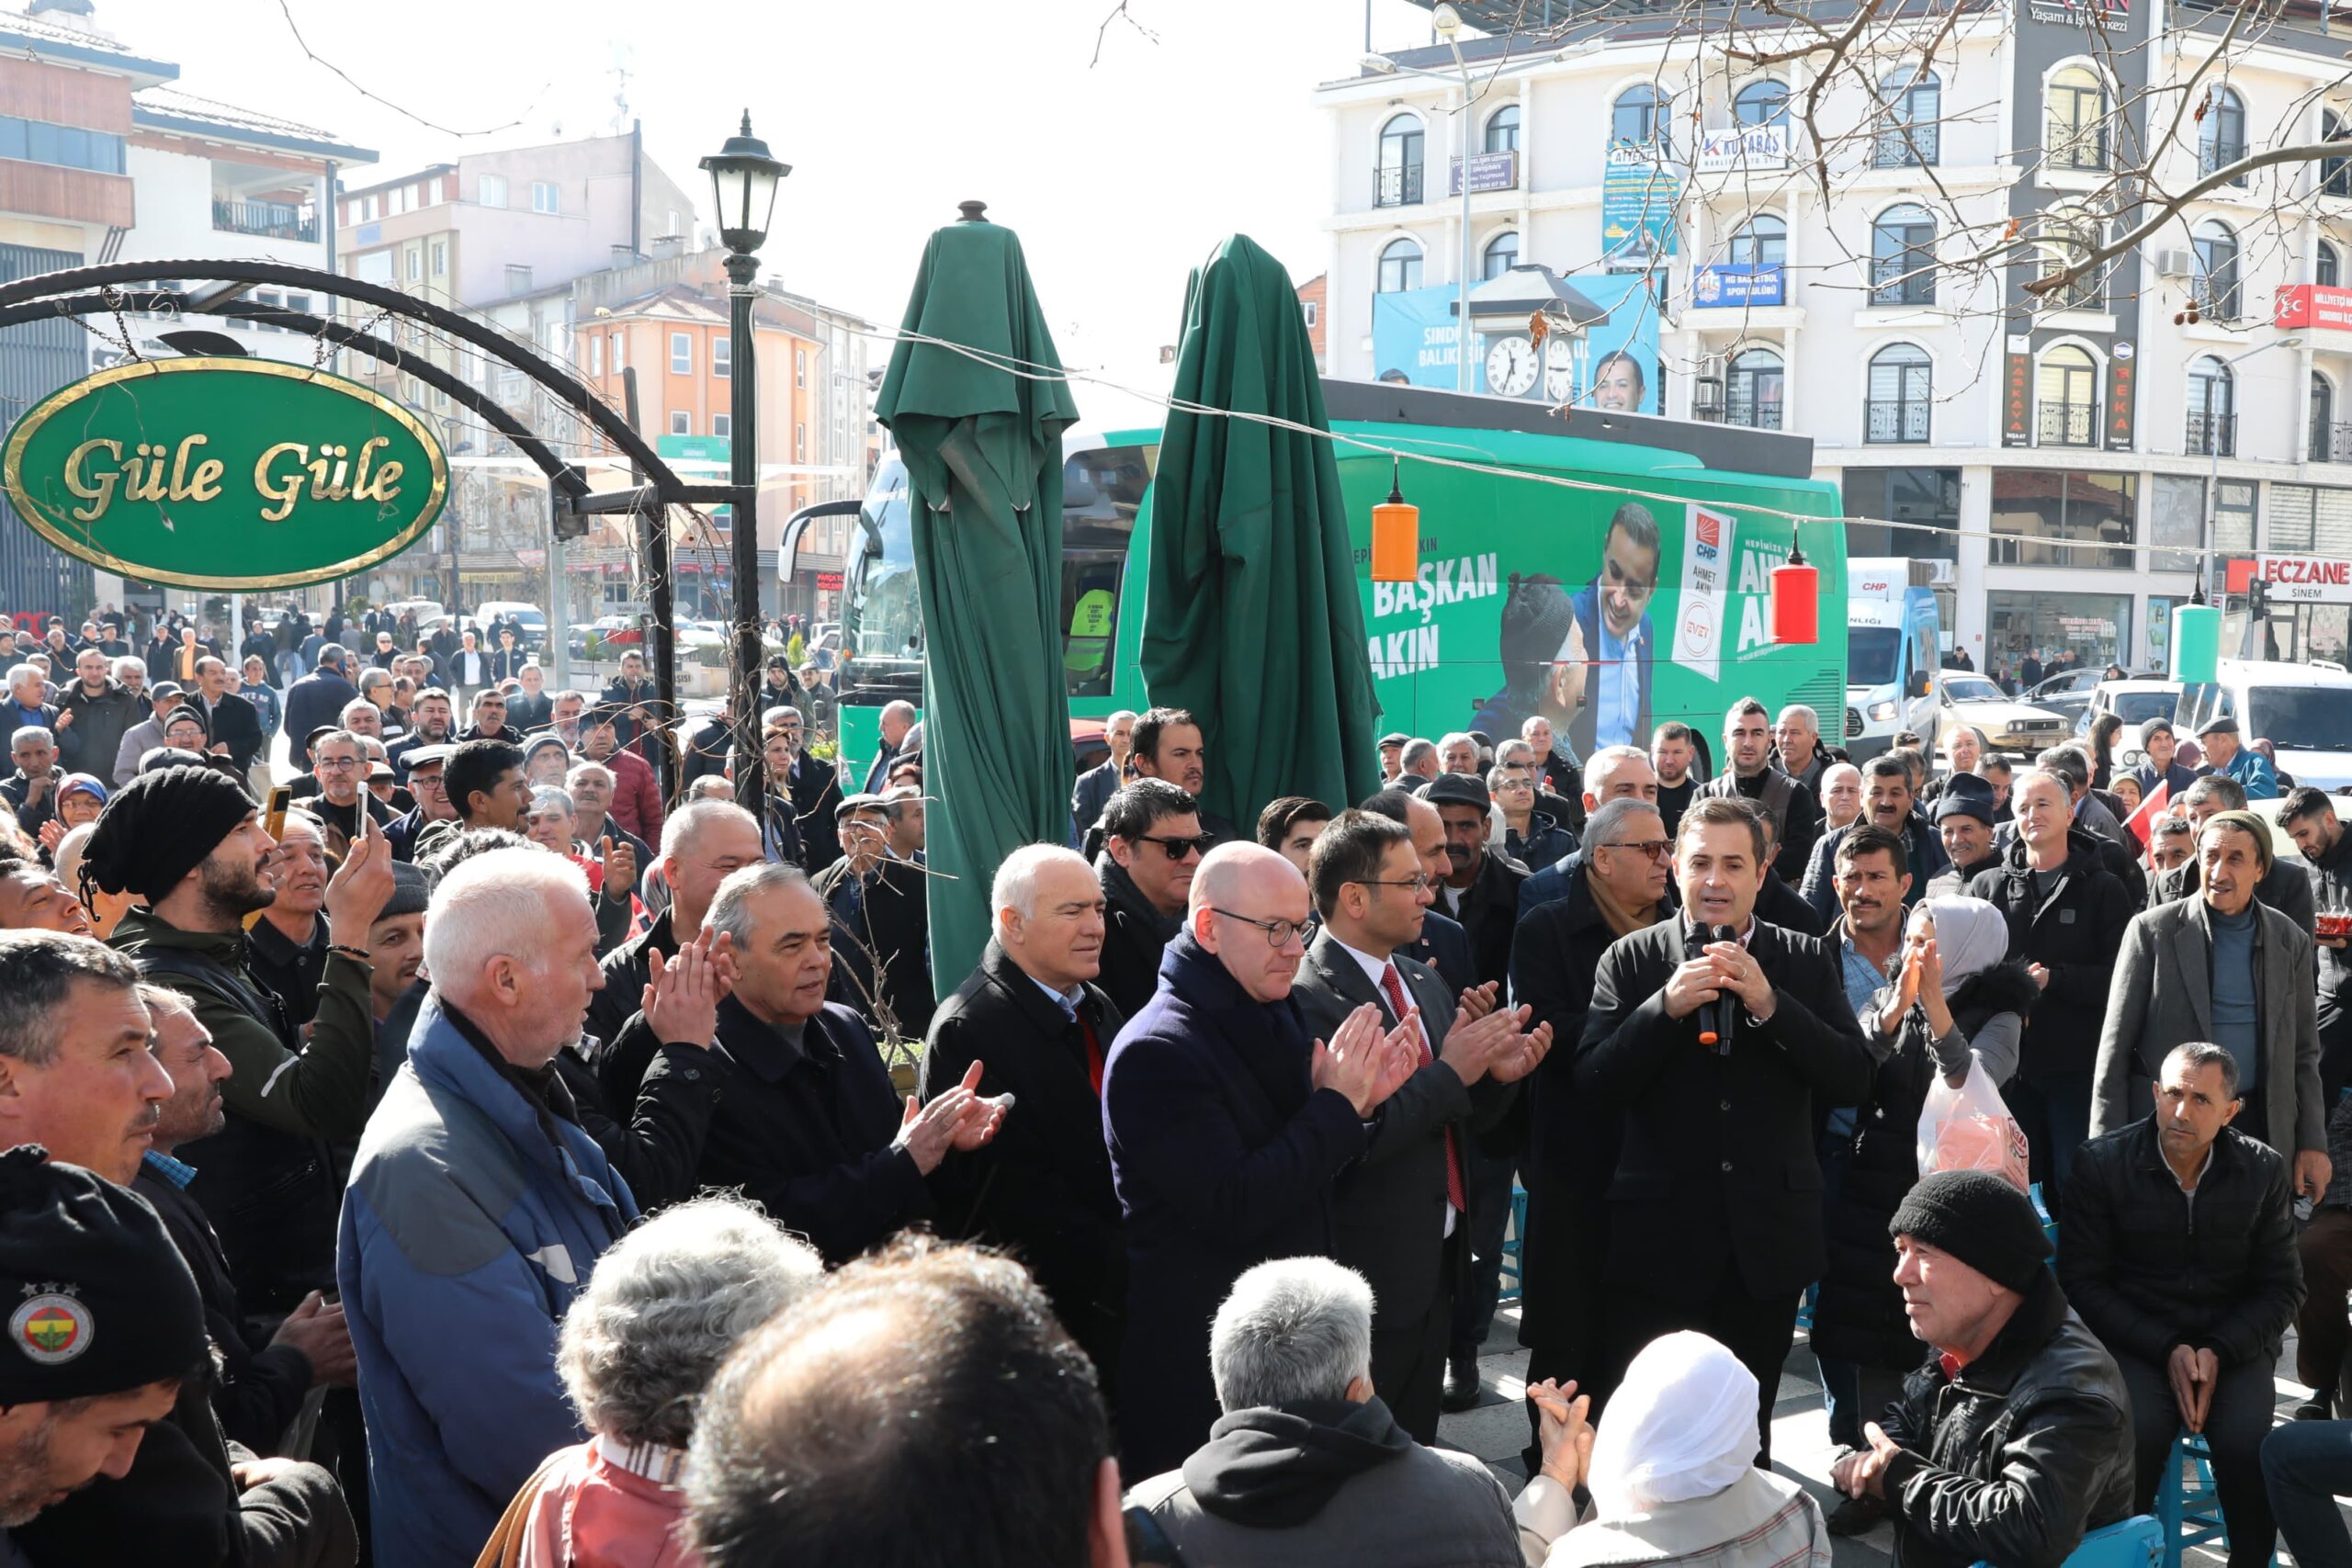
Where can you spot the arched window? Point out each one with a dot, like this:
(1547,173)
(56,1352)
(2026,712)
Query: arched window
(2213,409)
(1901,394)
(1501,253)
(2218,294)
(2334,174)
(2327,265)
(2329,442)
(1755,396)
(1762,241)
(2066,389)
(1401,266)
(2068,237)
(1910,130)
(1640,116)
(1502,130)
(2220,135)
(1761,103)
(1902,256)
(2076,137)
(1399,177)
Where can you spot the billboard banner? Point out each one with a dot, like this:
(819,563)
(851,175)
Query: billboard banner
(1638,192)
(1735,287)
(1613,364)
(2318,305)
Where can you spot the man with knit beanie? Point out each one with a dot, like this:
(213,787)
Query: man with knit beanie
(2016,1441)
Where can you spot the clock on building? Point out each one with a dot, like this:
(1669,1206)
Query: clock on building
(1559,369)
(1511,366)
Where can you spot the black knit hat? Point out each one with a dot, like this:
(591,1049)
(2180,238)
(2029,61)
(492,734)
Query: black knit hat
(98,1300)
(1965,794)
(161,826)
(1979,1219)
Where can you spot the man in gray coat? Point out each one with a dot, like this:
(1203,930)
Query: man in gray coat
(1307,1465)
(2220,966)
(1401,1210)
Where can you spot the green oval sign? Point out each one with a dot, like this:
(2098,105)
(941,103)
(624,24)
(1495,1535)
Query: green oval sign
(224,473)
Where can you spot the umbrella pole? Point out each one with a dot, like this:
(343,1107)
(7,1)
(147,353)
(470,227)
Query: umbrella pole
(743,445)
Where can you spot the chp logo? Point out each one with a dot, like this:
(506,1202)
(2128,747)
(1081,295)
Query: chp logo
(51,1327)
(1710,537)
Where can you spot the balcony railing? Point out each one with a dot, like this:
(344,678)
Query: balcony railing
(1919,147)
(2072,148)
(1397,185)
(1895,420)
(270,220)
(2331,443)
(2213,435)
(2069,424)
(1754,413)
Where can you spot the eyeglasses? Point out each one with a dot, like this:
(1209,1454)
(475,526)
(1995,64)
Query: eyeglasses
(1418,884)
(321,764)
(1279,933)
(1179,848)
(1656,849)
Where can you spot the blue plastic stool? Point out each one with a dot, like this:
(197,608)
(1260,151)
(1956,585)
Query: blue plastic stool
(2135,1543)
(2188,1509)
(1513,1244)
(2049,1224)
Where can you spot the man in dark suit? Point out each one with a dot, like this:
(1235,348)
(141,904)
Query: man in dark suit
(880,905)
(1716,1206)
(317,698)
(1443,944)
(1481,886)
(1228,1128)
(1043,1189)
(1403,1219)
(804,791)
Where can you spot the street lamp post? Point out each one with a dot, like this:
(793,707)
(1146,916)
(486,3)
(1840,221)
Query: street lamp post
(744,179)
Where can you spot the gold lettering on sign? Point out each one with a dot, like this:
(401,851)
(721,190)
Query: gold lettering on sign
(100,489)
(283,490)
(384,484)
(206,484)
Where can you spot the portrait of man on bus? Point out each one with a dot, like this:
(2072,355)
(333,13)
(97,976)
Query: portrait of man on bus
(1618,383)
(1612,612)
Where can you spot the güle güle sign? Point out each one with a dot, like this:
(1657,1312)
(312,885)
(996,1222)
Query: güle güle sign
(235,474)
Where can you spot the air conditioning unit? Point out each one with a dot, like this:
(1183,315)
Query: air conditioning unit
(2175,264)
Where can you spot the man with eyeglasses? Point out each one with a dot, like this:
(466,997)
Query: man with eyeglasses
(340,765)
(424,765)
(1615,773)
(1403,1219)
(1617,885)
(1230,1129)
(1152,845)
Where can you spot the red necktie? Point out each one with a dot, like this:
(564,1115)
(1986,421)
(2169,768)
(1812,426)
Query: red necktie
(1392,985)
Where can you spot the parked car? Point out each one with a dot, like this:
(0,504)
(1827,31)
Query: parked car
(2065,694)
(2303,710)
(529,616)
(2134,701)
(2008,724)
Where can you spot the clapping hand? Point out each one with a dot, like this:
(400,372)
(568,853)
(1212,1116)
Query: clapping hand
(1562,1433)
(681,998)
(1478,1001)
(1351,1064)
(958,1119)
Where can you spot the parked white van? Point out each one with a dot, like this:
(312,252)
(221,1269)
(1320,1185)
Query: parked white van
(2303,710)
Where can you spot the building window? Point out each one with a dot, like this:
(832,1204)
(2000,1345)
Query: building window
(681,354)
(369,209)
(722,425)
(2328,444)
(1640,116)
(2213,409)
(722,360)
(1502,130)
(440,258)
(2066,392)
(1926,496)
(799,366)
(619,360)
(800,442)
(2018,623)
(1761,103)
(1910,132)
(2327,265)
(2068,238)
(518,278)
(595,354)
(1901,395)
(544,197)
(681,422)
(489,190)
(1396,181)
(2220,135)
(1902,256)
(1754,398)
(2048,518)
(1400,266)
(2334,174)
(1312,310)
(1762,241)
(2076,137)
(2218,294)
(1501,253)
(415,264)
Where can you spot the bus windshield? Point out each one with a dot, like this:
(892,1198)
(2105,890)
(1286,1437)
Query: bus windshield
(1870,654)
(1103,491)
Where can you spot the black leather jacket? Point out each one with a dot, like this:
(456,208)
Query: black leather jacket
(2019,1456)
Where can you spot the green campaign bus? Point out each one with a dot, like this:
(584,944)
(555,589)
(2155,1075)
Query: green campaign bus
(1605,611)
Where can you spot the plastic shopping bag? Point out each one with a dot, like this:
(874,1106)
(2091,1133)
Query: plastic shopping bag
(1970,1128)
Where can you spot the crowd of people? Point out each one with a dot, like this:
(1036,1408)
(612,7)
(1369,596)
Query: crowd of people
(494,1154)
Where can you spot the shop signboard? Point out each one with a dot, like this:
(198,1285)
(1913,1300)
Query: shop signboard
(1723,287)
(2322,306)
(1488,171)
(2122,376)
(2295,578)
(711,449)
(1744,147)
(2104,15)
(232,474)
(1638,192)
(2016,395)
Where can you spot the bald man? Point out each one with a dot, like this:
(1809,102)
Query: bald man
(1227,1128)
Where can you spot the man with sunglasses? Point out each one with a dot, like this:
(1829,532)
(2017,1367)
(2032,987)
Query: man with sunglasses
(1403,1214)
(1152,845)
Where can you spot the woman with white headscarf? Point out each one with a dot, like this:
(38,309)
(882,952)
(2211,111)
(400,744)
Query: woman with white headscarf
(1955,997)
(1672,1473)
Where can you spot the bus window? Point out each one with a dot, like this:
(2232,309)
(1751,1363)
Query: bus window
(1103,489)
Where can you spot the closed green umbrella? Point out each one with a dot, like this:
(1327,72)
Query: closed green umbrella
(1251,615)
(981,439)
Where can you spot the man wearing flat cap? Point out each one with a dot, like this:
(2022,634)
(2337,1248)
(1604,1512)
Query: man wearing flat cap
(636,796)
(1481,886)
(2015,1441)
(2227,754)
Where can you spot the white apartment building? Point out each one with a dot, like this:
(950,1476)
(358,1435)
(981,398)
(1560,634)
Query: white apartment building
(2068,442)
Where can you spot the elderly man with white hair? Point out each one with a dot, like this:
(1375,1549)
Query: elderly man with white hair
(1228,1129)
(1033,1011)
(637,1349)
(477,1206)
(1306,1464)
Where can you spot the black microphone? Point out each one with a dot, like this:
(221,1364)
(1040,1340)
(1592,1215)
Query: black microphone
(1715,1018)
